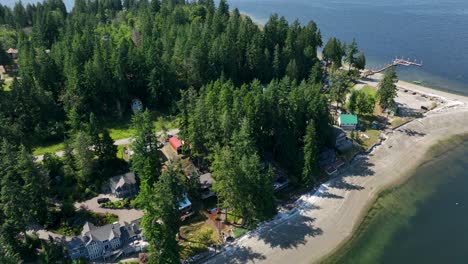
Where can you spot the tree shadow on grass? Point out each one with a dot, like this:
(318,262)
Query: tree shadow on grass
(290,234)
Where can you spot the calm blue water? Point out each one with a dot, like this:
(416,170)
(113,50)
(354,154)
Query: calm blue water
(434,31)
(423,221)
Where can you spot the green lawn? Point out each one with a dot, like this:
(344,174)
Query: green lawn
(118,129)
(374,136)
(239,231)
(7,86)
(196,239)
(119,204)
(369,90)
(120,152)
(48,148)
(398,121)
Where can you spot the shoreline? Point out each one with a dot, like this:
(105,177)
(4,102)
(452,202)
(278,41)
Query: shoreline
(431,155)
(328,218)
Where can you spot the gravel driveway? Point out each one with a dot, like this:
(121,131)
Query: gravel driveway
(125,215)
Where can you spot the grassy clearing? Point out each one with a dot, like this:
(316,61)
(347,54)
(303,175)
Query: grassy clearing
(52,148)
(369,90)
(8,84)
(123,128)
(120,204)
(118,129)
(239,231)
(233,218)
(120,152)
(196,239)
(398,121)
(374,137)
(368,137)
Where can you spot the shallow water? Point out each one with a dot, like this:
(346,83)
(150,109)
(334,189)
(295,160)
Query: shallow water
(423,221)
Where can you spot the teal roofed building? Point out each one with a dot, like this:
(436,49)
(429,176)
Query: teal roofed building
(348,121)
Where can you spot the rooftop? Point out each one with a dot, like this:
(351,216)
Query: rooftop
(185,203)
(348,119)
(102,233)
(175,142)
(121,180)
(12,51)
(206,180)
(338,132)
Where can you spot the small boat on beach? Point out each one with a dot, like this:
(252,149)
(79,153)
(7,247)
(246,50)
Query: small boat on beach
(417,82)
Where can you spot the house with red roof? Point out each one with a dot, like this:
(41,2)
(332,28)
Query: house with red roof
(176,144)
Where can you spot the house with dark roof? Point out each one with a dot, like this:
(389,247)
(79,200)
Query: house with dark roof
(342,142)
(9,69)
(103,241)
(12,53)
(206,182)
(124,186)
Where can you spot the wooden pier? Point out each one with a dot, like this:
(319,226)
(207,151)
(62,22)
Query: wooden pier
(395,62)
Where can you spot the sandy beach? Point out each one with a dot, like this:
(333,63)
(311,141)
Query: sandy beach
(326,218)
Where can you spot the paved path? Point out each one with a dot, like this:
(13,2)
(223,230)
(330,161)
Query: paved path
(125,215)
(118,142)
(44,234)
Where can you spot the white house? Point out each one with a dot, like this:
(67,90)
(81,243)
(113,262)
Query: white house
(103,241)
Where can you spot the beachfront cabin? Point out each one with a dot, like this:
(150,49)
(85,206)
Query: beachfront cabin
(176,144)
(348,121)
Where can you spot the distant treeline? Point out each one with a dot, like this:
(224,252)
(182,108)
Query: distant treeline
(104,53)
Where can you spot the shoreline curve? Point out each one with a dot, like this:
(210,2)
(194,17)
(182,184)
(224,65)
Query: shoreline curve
(326,219)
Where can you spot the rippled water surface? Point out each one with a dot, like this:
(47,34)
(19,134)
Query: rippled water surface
(432,31)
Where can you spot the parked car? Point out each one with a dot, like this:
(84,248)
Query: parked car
(280,183)
(102,200)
